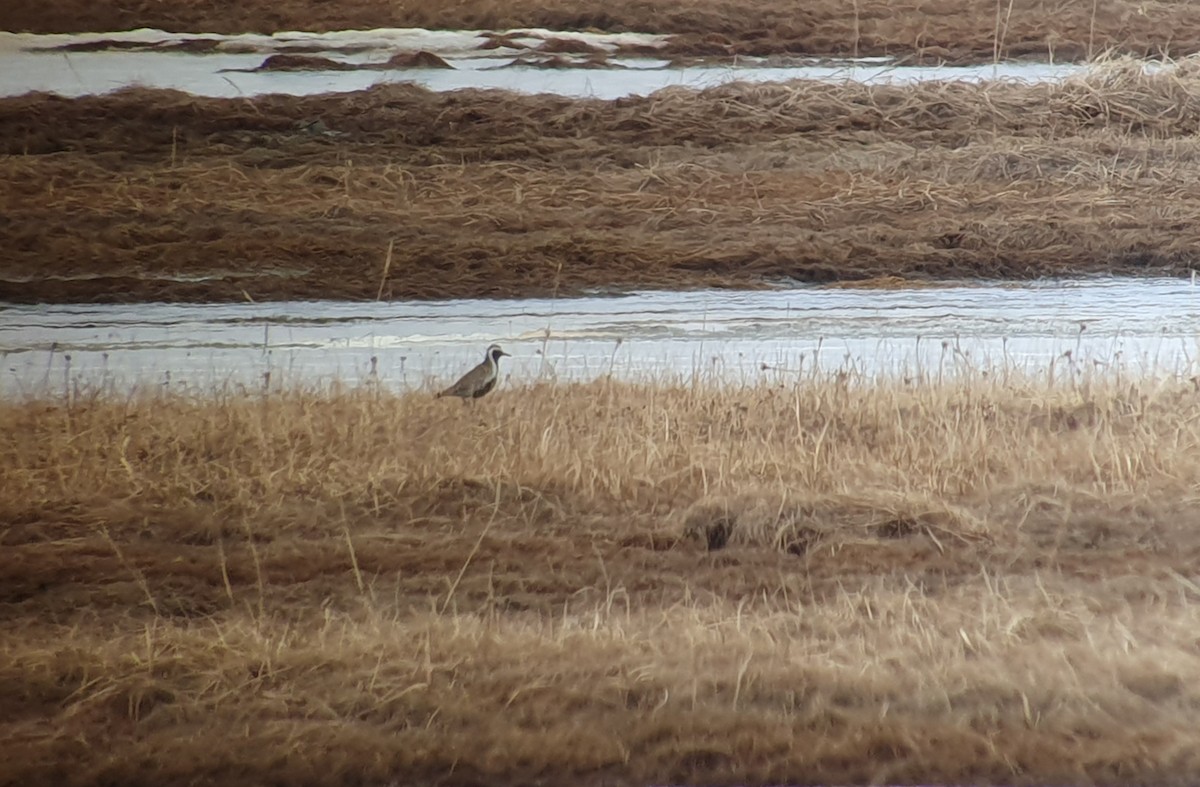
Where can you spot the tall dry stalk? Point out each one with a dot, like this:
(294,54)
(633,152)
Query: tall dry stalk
(387,265)
(1000,31)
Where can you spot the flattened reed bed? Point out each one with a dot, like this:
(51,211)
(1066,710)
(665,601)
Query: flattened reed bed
(955,30)
(1119,95)
(987,580)
(153,195)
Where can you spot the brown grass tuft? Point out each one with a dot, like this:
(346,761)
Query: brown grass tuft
(767,518)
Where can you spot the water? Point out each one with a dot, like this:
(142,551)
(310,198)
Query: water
(1139,325)
(1135,326)
(38,62)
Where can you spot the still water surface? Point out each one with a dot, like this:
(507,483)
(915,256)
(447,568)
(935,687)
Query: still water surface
(55,63)
(1130,326)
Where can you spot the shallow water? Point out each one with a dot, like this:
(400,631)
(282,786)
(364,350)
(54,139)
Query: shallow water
(1133,326)
(37,62)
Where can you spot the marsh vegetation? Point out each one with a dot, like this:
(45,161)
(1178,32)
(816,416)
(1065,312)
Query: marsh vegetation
(989,579)
(953,30)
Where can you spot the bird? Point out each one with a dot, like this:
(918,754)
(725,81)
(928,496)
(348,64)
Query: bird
(480,380)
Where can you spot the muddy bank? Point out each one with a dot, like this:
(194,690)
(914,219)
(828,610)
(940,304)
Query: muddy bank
(398,192)
(960,30)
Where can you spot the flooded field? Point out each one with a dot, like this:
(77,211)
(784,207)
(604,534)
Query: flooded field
(1113,327)
(605,66)
(850,435)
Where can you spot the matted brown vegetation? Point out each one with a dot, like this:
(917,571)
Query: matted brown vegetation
(989,582)
(961,30)
(154,195)
(293,62)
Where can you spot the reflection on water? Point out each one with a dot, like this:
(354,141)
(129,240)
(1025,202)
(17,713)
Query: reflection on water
(213,65)
(1134,326)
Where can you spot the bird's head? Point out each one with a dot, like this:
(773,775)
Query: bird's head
(494,352)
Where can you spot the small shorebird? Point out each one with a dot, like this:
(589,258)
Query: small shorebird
(480,380)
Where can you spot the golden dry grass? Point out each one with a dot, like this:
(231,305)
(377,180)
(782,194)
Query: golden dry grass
(991,580)
(960,30)
(138,195)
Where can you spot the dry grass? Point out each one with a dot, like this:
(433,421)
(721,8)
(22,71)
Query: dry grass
(140,194)
(825,581)
(960,30)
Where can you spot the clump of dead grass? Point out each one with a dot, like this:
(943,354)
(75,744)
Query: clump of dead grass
(796,524)
(922,581)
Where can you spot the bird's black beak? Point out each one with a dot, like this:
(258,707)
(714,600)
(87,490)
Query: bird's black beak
(506,355)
